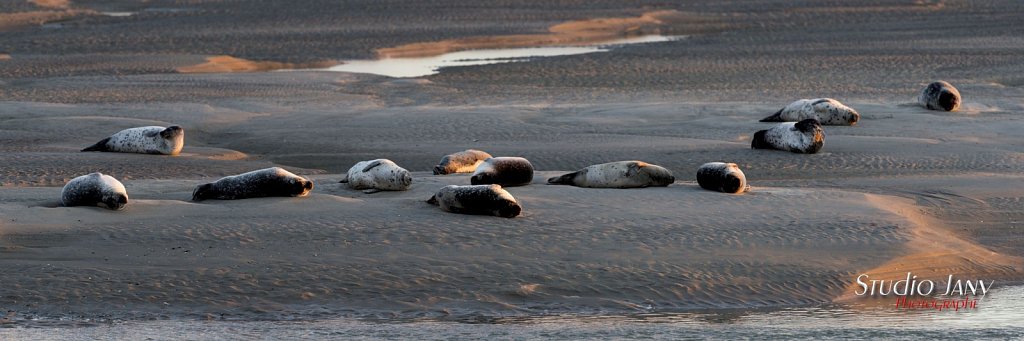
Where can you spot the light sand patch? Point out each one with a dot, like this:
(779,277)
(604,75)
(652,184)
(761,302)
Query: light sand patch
(59,4)
(935,253)
(224,63)
(10,21)
(581,32)
(4,56)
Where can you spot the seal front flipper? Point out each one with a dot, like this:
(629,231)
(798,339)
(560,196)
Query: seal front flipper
(776,117)
(371,191)
(370,166)
(98,147)
(634,168)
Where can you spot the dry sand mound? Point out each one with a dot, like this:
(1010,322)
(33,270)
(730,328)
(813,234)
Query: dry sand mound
(579,32)
(219,64)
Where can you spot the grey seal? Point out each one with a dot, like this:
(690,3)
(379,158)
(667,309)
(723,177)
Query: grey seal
(462,162)
(95,189)
(378,175)
(826,110)
(799,137)
(268,182)
(620,174)
(940,95)
(506,171)
(477,199)
(722,177)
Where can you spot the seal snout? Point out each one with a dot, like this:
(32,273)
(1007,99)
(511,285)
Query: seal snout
(172,131)
(759,141)
(511,211)
(948,101)
(854,118)
(118,202)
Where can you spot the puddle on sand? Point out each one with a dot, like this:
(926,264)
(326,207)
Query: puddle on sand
(425,66)
(118,14)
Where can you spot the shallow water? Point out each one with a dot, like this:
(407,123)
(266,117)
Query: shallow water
(425,66)
(998,317)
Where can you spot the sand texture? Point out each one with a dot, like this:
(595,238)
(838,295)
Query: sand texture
(906,189)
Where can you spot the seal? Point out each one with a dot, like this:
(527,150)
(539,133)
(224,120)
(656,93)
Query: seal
(144,140)
(377,175)
(722,177)
(826,110)
(462,162)
(506,171)
(940,95)
(799,137)
(268,182)
(621,174)
(477,199)
(95,189)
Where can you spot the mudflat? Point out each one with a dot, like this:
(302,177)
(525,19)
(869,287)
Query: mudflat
(905,189)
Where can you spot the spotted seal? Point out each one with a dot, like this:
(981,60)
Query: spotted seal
(620,174)
(799,137)
(268,182)
(828,112)
(144,140)
(377,175)
(477,199)
(95,189)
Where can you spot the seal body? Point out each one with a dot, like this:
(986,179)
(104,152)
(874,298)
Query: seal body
(826,110)
(722,177)
(477,199)
(462,162)
(799,137)
(621,174)
(268,182)
(145,140)
(940,95)
(505,171)
(94,189)
(378,175)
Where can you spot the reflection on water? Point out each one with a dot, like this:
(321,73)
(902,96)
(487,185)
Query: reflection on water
(425,66)
(998,316)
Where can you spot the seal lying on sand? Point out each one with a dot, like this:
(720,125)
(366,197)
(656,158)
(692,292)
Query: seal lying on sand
(621,174)
(506,171)
(94,189)
(940,96)
(145,140)
(378,175)
(722,177)
(828,112)
(268,182)
(462,162)
(800,137)
(477,199)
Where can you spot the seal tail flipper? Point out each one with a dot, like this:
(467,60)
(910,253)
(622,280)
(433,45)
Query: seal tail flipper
(98,147)
(432,200)
(562,180)
(344,180)
(776,117)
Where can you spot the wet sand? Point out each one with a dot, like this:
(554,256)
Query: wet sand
(906,189)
